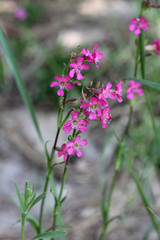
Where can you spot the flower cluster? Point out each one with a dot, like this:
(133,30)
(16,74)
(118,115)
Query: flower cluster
(92,106)
(20,13)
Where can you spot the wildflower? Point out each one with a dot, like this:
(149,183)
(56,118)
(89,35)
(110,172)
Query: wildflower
(77,68)
(92,108)
(138,24)
(134,88)
(105,92)
(105,117)
(20,13)
(156,44)
(63,152)
(75,123)
(95,56)
(75,145)
(62,83)
(116,92)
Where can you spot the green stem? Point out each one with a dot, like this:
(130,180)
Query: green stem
(58,203)
(146,203)
(23,219)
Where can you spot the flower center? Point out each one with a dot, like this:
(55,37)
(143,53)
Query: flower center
(94,107)
(76,145)
(75,122)
(62,84)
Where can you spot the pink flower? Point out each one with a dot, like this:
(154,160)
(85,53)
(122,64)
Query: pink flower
(62,83)
(95,56)
(138,24)
(20,13)
(75,123)
(77,68)
(75,145)
(92,108)
(134,88)
(156,44)
(116,92)
(105,117)
(63,152)
(105,92)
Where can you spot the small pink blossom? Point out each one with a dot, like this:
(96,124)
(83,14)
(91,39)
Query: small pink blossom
(105,92)
(75,145)
(116,92)
(75,123)
(134,88)
(95,56)
(105,117)
(20,13)
(62,83)
(92,107)
(63,152)
(156,44)
(77,68)
(138,24)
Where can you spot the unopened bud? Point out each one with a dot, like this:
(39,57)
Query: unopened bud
(95,91)
(98,84)
(90,84)
(148,54)
(58,149)
(72,101)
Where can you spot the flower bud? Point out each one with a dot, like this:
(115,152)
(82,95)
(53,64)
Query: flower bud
(72,101)
(90,84)
(98,84)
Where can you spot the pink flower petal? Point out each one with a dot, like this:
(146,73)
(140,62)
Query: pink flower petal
(69,85)
(137,31)
(66,78)
(79,153)
(73,65)
(83,142)
(60,92)
(131,27)
(76,140)
(54,84)
(84,66)
(58,77)
(79,75)
(80,60)
(72,72)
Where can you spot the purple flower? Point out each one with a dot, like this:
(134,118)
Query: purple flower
(134,88)
(105,117)
(75,123)
(75,145)
(93,57)
(138,24)
(62,83)
(77,68)
(63,152)
(20,13)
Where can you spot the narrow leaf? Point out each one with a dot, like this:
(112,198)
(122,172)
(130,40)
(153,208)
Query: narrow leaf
(120,217)
(37,200)
(19,197)
(103,202)
(144,82)
(55,234)
(19,82)
(33,222)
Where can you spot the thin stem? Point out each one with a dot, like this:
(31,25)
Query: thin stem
(51,163)
(58,203)
(146,203)
(23,218)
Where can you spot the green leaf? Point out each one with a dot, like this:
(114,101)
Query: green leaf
(103,202)
(19,197)
(37,200)
(55,234)
(120,217)
(47,154)
(33,222)
(19,82)
(144,82)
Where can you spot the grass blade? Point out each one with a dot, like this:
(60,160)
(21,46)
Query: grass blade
(19,82)
(49,235)
(144,82)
